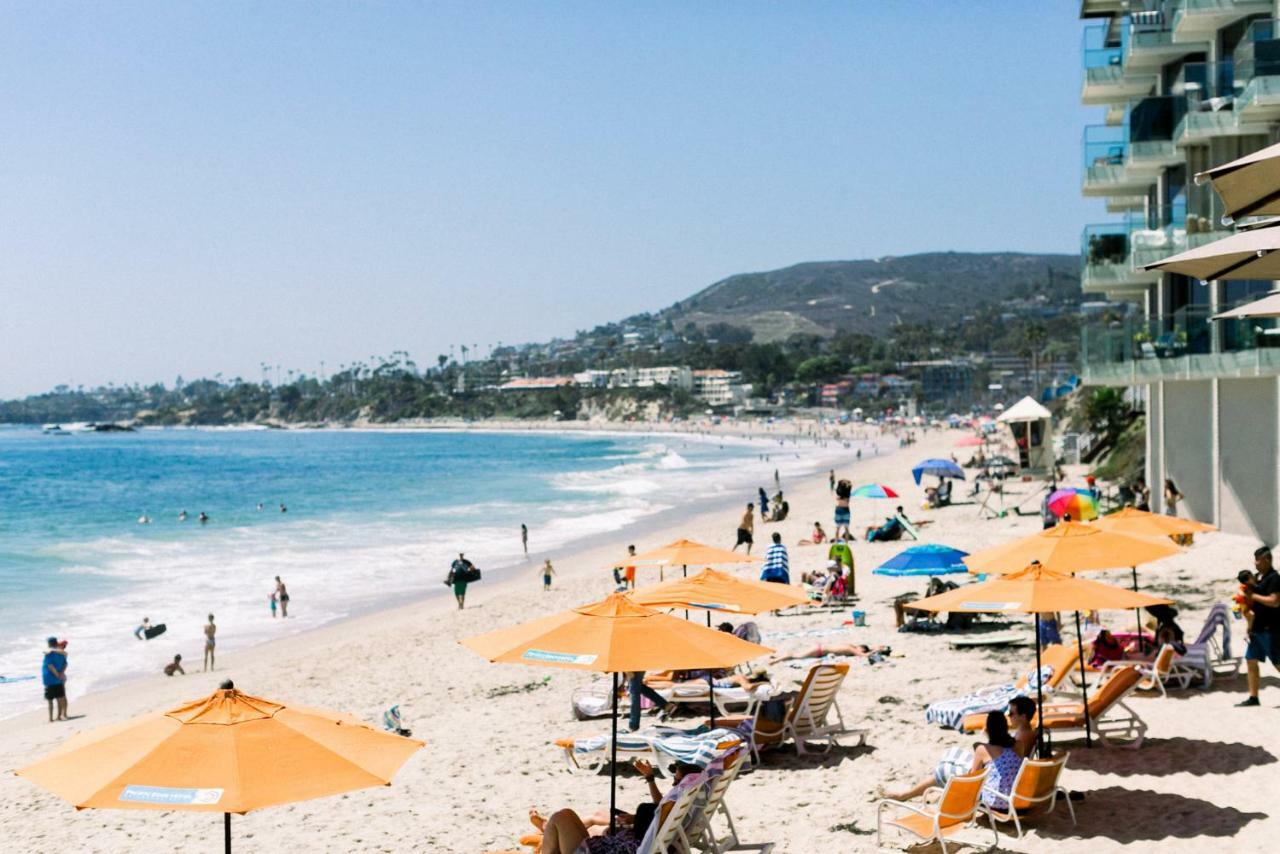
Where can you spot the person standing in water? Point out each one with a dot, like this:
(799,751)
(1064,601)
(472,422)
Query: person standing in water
(209,631)
(282,596)
(524,538)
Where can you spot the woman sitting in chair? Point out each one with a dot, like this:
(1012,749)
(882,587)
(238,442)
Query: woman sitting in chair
(565,832)
(1003,753)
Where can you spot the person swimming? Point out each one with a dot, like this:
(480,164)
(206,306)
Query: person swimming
(144,519)
(182,516)
(203,517)
(283,509)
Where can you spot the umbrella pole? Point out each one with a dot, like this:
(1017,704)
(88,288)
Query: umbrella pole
(686,610)
(711,691)
(1084,684)
(1039,697)
(1137,612)
(613,763)
(226,831)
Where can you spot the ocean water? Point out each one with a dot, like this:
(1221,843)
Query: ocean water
(372,518)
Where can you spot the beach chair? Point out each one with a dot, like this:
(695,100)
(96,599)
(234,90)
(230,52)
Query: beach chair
(1035,792)
(807,720)
(697,747)
(1056,662)
(957,810)
(1207,655)
(723,698)
(669,834)
(1157,673)
(700,830)
(1107,711)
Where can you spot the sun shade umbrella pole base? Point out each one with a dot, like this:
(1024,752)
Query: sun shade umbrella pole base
(1084,684)
(613,762)
(1040,748)
(1137,612)
(226,832)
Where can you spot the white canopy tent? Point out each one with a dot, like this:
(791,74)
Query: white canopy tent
(1030,424)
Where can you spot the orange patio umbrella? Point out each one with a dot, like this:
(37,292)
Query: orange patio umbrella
(1076,547)
(1071,547)
(711,590)
(1143,523)
(614,635)
(685,553)
(227,753)
(1037,589)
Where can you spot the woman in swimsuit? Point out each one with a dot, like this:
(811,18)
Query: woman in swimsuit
(282,596)
(209,631)
(858,650)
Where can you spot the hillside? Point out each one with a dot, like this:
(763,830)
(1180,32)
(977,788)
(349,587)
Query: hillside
(871,296)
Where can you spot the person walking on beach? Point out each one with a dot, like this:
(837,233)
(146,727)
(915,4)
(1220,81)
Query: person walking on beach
(629,572)
(745,528)
(210,630)
(764,504)
(1263,596)
(282,596)
(844,490)
(459,576)
(524,538)
(777,566)
(1171,498)
(638,689)
(547,572)
(831,480)
(53,674)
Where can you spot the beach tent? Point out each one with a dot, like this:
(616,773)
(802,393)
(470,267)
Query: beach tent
(227,753)
(927,559)
(1030,424)
(615,635)
(1039,590)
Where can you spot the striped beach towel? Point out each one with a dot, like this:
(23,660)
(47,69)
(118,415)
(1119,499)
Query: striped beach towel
(696,747)
(994,698)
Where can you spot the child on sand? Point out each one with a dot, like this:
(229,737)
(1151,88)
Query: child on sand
(547,572)
(174,666)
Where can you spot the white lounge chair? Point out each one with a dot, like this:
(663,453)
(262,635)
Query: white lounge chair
(1156,674)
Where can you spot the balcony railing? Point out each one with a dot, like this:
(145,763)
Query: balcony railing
(1108,260)
(1186,344)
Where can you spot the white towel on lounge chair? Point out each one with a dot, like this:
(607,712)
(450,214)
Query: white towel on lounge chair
(994,698)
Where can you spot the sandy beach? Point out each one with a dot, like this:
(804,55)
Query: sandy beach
(1202,780)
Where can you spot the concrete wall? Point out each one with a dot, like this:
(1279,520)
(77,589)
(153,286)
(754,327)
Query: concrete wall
(1188,444)
(1248,424)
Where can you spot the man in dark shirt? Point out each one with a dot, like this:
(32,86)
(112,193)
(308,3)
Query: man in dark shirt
(1264,633)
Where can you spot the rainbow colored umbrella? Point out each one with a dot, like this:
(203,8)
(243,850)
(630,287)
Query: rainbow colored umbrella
(1080,504)
(874,490)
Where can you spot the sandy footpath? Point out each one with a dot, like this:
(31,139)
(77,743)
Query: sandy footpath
(1206,778)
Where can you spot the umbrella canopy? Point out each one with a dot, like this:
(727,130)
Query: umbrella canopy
(1071,547)
(614,635)
(711,590)
(1024,410)
(1141,523)
(928,559)
(685,553)
(873,490)
(1249,186)
(227,753)
(1037,590)
(969,442)
(1244,255)
(937,468)
(1268,306)
(1080,504)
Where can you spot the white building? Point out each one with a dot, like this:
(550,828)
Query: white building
(720,388)
(670,375)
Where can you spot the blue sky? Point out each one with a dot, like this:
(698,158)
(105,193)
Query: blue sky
(190,189)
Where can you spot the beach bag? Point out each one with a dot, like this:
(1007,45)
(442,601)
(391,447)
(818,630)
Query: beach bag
(472,575)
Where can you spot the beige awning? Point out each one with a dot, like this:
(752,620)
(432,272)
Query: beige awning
(1249,186)
(1245,255)
(1268,306)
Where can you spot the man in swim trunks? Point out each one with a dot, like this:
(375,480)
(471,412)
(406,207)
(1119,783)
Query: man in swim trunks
(745,527)
(629,573)
(282,596)
(53,674)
